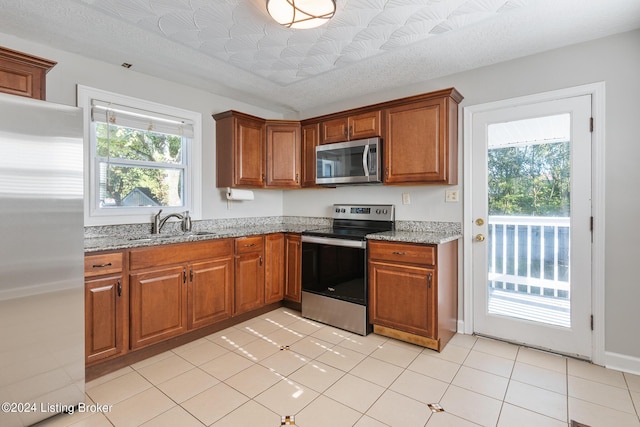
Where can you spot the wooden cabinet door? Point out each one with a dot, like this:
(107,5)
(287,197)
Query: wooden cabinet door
(249,289)
(23,74)
(210,292)
(416,143)
(283,155)
(365,125)
(274,271)
(402,297)
(293,260)
(310,140)
(104,302)
(336,130)
(158,305)
(249,152)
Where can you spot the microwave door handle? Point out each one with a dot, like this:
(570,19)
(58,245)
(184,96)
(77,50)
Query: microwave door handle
(365,160)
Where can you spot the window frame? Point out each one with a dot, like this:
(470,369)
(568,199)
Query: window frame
(192,197)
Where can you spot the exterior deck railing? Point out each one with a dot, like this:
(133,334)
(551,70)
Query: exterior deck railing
(529,255)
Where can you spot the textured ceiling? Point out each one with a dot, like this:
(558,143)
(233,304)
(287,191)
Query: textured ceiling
(233,48)
(238,33)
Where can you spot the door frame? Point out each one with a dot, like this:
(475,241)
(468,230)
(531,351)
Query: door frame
(597,92)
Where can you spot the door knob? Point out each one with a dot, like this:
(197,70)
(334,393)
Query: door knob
(480,238)
(480,222)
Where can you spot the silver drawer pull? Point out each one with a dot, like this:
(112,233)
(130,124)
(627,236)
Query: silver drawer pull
(398,253)
(101,265)
(249,245)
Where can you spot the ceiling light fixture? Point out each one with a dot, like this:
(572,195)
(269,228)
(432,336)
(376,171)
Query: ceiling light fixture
(301,13)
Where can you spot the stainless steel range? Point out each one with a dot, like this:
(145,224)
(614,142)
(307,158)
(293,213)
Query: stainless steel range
(334,266)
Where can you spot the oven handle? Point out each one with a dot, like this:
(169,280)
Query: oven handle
(359,244)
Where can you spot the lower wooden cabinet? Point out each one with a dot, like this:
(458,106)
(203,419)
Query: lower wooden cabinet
(249,269)
(105,310)
(413,291)
(293,261)
(210,294)
(106,302)
(175,288)
(274,277)
(158,305)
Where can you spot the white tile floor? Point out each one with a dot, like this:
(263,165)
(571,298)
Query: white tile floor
(328,377)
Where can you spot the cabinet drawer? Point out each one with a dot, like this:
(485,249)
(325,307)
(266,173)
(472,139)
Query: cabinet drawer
(245,245)
(179,253)
(97,265)
(401,252)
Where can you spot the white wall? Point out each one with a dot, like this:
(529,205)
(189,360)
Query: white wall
(614,60)
(74,69)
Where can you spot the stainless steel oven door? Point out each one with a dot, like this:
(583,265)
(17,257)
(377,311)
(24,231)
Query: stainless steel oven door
(335,268)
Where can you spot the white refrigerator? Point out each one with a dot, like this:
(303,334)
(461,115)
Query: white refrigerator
(41,260)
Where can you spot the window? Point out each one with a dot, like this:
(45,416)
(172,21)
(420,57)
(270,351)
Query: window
(140,158)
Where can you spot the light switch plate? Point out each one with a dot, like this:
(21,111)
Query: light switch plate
(406,199)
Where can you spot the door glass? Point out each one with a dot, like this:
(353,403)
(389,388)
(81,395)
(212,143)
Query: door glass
(340,163)
(529,219)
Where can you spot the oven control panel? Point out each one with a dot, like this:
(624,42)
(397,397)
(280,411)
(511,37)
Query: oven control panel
(364,212)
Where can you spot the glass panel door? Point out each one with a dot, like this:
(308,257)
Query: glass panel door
(531,207)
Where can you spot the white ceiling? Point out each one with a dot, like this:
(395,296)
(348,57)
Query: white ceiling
(233,48)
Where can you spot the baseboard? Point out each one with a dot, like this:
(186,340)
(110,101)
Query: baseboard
(622,362)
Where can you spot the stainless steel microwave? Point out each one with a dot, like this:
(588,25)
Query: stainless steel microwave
(351,162)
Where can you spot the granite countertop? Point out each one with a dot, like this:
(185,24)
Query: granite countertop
(411,236)
(133,236)
(95,243)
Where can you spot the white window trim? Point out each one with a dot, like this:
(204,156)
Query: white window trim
(193,195)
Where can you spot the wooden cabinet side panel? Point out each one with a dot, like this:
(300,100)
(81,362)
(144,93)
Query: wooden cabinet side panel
(447,291)
(158,305)
(210,292)
(224,152)
(400,297)
(104,304)
(283,155)
(275,268)
(415,148)
(293,260)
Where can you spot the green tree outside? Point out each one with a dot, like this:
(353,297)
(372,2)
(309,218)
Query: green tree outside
(530,180)
(116,142)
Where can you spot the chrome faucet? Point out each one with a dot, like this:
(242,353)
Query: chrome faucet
(158,222)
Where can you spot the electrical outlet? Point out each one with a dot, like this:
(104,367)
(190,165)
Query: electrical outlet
(406,199)
(451,196)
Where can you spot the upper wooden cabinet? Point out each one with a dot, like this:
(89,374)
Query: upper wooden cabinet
(254,153)
(283,154)
(23,74)
(421,140)
(352,127)
(310,140)
(240,140)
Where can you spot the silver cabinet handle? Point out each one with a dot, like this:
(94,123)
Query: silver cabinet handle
(102,265)
(398,253)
